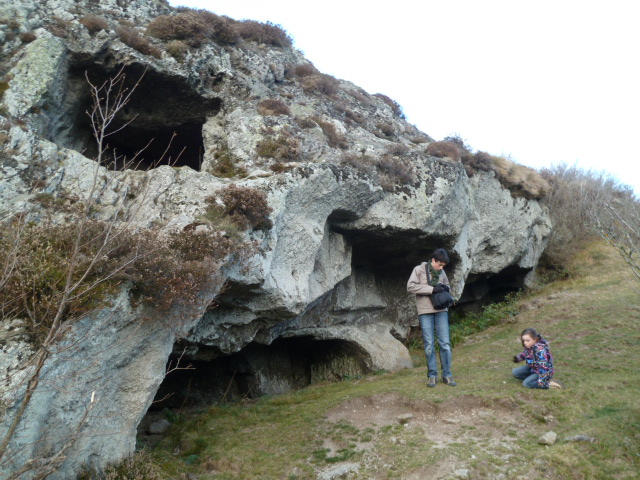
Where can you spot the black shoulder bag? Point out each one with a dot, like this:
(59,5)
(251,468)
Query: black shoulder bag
(441,300)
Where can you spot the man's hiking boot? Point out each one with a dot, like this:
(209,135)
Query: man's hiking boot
(449,381)
(431,382)
(556,384)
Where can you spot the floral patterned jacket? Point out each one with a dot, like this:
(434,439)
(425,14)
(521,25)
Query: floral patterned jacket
(540,361)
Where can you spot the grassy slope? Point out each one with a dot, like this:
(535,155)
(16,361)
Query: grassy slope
(487,427)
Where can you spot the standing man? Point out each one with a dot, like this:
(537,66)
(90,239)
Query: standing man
(426,279)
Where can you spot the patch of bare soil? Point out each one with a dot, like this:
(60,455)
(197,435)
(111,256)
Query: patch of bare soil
(454,433)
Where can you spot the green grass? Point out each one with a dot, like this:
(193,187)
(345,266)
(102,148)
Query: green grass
(488,425)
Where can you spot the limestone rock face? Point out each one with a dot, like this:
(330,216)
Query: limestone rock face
(356,204)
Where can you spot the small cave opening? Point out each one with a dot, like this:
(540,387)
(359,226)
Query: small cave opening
(161,124)
(481,290)
(285,365)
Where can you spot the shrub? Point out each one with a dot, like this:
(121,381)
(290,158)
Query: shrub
(420,139)
(59,27)
(321,83)
(273,106)
(361,163)
(361,96)
(355,117)
(225,163)
(395,106)
(284,148)
(335,139)
(492,314)
(478,162)
(443,149)
(583,205)
(305,70)
(165,269)
(133,39)
(177,49)
(459,141)
(394,173)
(197,26)
(385,129)
(265,33)
(94,23)
(303,122)
(246,206)
(27,37)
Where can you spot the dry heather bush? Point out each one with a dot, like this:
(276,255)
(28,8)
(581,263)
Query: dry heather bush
(320,83)
(335,139)
(395,106)
(133,39)
(361,96)
(361,163)
(165,270)
(393,172)
(305,70)
(198,26)
(94,23)
(417,140)
(58,27)
(390,171)
(195,27)
(459,141)
(354,117)
(265,33)
(397,149)
(385,130)
(177,49)
(283,148)
(478,162)
(303,122)
(273,106)
(27,37)
(246,206)
(444,149)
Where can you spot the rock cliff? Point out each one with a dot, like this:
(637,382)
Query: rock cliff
(356,203)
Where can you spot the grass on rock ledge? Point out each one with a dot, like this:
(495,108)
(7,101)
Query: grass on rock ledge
(391,426)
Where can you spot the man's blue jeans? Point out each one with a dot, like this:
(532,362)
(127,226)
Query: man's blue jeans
(432,325)
(529,380)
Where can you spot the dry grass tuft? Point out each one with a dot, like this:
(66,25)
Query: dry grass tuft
(273,106)
(443,149)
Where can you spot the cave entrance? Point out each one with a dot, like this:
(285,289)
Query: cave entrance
(160,125)
(285,365)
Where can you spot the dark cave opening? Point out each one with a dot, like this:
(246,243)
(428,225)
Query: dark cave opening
(285,365)
(160,125)
(392,255)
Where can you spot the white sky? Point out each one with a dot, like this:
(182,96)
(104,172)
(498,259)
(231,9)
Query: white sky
(540,82)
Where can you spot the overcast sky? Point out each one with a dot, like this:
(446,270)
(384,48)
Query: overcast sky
(540,82)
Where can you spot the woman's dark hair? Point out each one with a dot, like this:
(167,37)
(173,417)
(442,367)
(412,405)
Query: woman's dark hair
(441,255)
(531,332)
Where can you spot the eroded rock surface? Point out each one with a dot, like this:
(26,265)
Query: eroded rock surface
(356,204)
